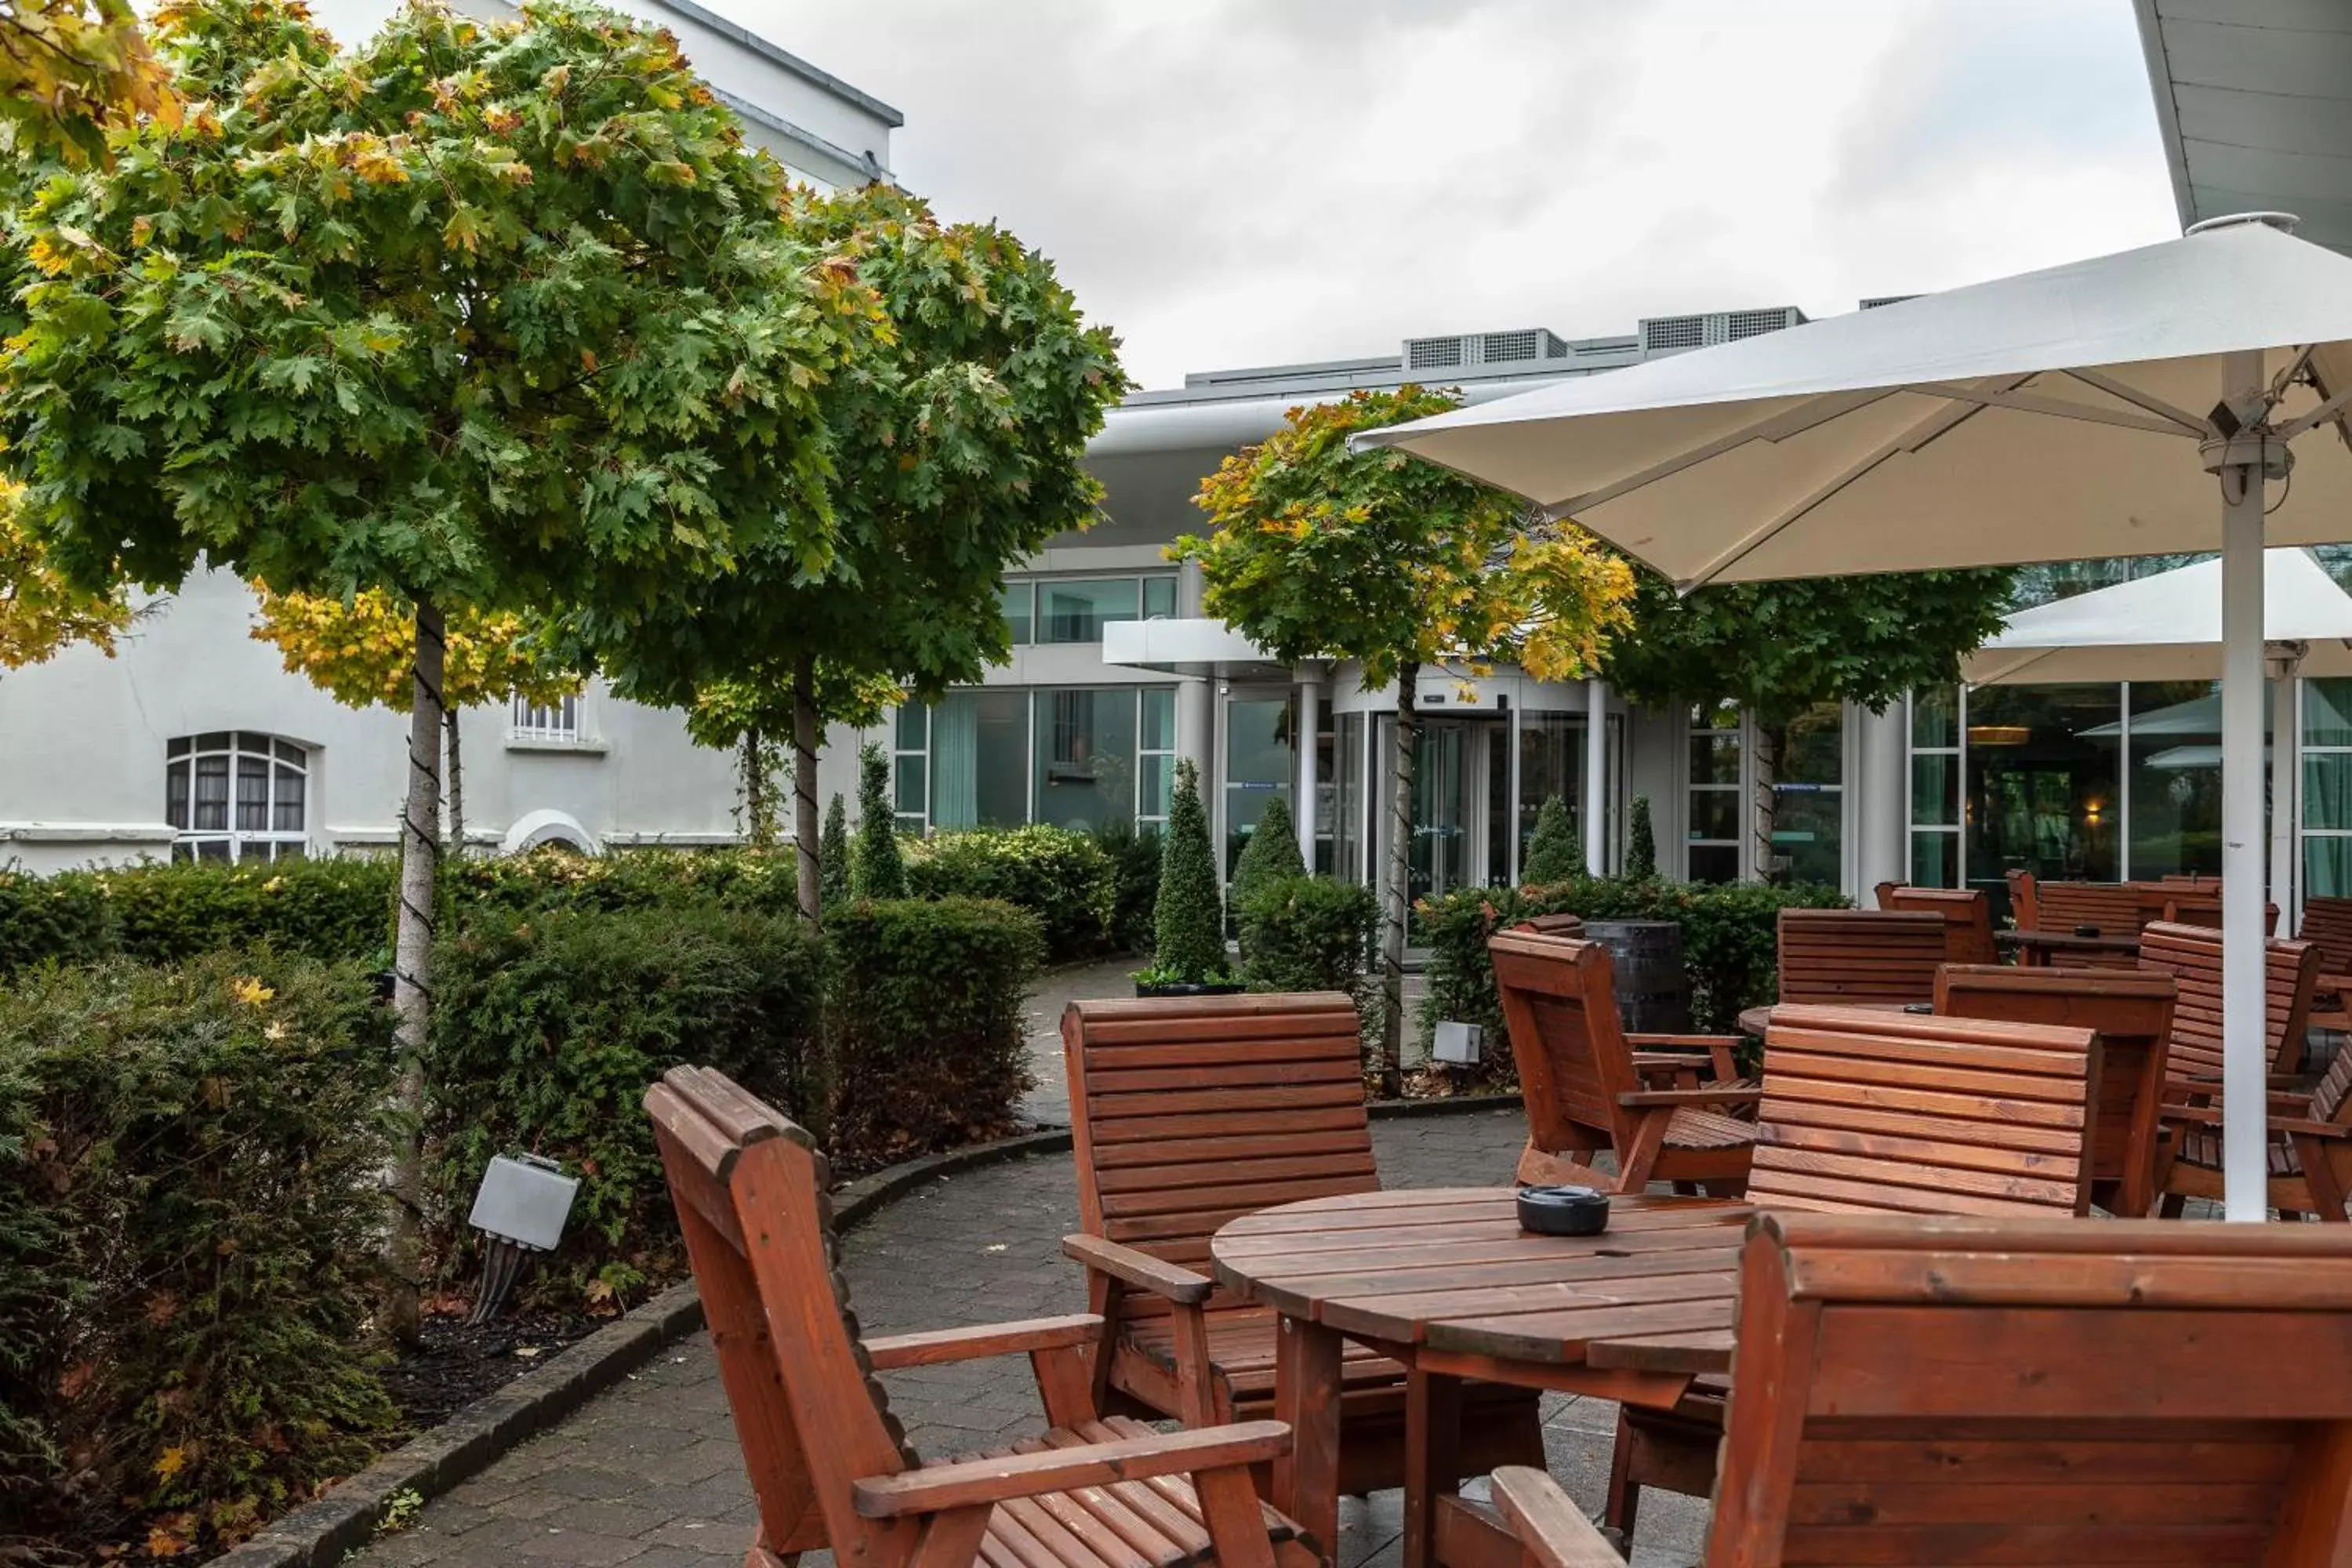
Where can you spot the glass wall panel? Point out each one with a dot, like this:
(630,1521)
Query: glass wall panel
(1348,781)
(1935,789)
(1934,859)
(2176,778)
(1936,717)
(1077,610)
(1084,744)
(1257,766)
(1809,795)
(1019,600)
(1155,767)
(1551,763)
(1441,809)
(2328,788)
(1711,850)
(2041,777)
(980,756)
(1159,598)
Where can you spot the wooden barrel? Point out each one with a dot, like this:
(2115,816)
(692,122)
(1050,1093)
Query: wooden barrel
(1652,986)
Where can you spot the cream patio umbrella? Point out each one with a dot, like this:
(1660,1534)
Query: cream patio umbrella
(2183,396)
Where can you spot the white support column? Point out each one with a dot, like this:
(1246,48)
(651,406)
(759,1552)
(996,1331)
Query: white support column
(1596,777)
(1509,825)
(2244,1064)
(1310,693)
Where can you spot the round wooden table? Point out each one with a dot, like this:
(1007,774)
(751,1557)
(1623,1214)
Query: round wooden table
(1446,1281)
(1756,1020)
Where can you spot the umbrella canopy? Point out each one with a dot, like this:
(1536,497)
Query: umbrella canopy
(2178,397)
(2168,627)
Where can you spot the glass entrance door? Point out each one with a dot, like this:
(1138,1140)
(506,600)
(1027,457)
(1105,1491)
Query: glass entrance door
(1442,832)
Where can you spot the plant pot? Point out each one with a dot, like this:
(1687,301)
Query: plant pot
(1191,988)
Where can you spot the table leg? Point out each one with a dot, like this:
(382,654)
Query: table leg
(1307,1396)
(1433,1446)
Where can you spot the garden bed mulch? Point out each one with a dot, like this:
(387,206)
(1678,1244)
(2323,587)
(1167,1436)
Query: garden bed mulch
(457,1361)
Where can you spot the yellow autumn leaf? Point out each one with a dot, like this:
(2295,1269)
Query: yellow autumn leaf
(250,991)
(171,1461)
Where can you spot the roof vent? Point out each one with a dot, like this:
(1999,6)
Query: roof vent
(1672,334)
(1875,300)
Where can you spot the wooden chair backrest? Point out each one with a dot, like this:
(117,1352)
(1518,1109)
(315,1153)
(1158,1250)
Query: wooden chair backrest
(1894,1112)
(1560,1003)
(2130,1011)
(2199,906)
(2047,1391)
(2327,925)
(2024,900)
(2190,879)
(1859,955)
(1552,925)
(1968,917)
(750,1190)
(2114,907)
(2192,956)
(2331,1099)
(1186,1113)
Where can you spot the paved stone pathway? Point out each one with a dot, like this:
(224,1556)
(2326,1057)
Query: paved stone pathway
(649,1474)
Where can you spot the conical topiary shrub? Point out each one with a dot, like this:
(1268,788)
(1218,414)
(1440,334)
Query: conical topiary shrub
(1553,854)
(878,870)
(1271,853)
(833,855)
(1641,845)
(1188,921)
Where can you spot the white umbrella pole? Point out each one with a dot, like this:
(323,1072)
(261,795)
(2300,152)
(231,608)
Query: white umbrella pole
(2244,1064)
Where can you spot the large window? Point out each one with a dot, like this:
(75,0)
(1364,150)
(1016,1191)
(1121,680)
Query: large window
(2328,788)
(557,722)
(1257,766)
(1711,851)
(1809,797)
(1075,609)
(1078,757)
(237,796)
(1551,763)
(2173,807)
(2043,776)
(1936,786)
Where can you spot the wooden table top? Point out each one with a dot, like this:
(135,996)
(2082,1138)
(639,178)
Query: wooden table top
(1450,1269)
(1755,1020)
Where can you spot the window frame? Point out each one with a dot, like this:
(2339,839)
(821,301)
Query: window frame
(1040,720)
(279,757)
(1143,582)
(530,721)
(1695,727)
(1956,829)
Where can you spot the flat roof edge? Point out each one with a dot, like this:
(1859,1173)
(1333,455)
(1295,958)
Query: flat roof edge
(860,161)
(814,74)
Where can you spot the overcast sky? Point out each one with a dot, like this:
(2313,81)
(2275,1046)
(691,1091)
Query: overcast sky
(1251,182)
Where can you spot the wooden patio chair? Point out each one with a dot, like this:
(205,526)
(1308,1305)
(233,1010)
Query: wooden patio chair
(2308,1156)
(2024,900)
(1186,1114)
(2019,1392)
(1859,955)
(2327,925)
(1584,1090)
(2191,955)
(2193,906)
(830,1467)
(1873,1112)
(2132,1014)
(2110,909)
(1966,912)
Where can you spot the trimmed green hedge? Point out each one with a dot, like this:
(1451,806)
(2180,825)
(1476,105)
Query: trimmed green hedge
(190,1214)
(1310,934)
(924,1023)
(163,913)
(42,920)
(1730,938)
(1061,875)
(548,1027)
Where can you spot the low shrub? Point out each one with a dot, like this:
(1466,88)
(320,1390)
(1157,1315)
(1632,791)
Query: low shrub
(46,919)
(877,866)
(1553,852)
(1135,882)
(547,1030)
(924,1023)
(1730,938)
(762,881)
(190,1212)
(1058,873)
(1309,933)
(164,912)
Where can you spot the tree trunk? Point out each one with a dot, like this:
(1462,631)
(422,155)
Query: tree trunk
(755,791)
(456,787)
(411,964)
(804,825)
(1765,817)
(1399,895)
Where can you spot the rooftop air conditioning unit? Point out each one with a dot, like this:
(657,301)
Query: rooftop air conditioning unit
(1484,351)
(1673,334)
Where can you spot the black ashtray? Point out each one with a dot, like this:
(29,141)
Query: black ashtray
(1563,1211)
(1922,1008)
(2086,930)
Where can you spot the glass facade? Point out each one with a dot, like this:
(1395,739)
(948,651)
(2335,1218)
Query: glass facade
(2328,788)
(1809,797)
(2042,767)
(1075,609)
(1258,765)
(1711,850)
(1080,757)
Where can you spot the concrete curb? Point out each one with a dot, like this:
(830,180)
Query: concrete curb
(318,1534)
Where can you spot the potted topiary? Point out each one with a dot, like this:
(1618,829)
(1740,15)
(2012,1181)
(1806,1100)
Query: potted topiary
(1188,957)
(1552,853)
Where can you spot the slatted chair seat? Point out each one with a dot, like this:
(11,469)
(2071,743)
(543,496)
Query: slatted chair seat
(1859,955)
(829,1464)
(2202,1148)
(1947,1392)
(1189,1112)
(2307,1153)
(1866,1111)
(1584,1086)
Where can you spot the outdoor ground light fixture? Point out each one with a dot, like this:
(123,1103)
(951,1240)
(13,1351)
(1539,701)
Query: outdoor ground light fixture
(520,1209)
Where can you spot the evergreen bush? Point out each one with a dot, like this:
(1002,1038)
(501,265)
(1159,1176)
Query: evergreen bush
(190,1209)
(924,1024)
(1188,918)
(63,919)
(1553,852)
(551,1024)
(1641,842)
(833,856)
(1271,854)
(1058,874)
(1134,860)
(878,870)
(1309,933)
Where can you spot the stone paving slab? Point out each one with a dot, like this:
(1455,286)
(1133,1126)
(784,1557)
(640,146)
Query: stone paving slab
(649,1474)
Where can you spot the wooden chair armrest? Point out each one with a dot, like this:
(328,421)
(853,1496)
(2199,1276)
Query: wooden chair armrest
(1552,1531)
(968,1482)
(2296,1120)
(1170,1281)
(1642,1099)
(941,1345)
(1688,1043)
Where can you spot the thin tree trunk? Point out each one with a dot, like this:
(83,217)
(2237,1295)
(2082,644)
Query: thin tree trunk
(804,823)
(755,791)
(456,787)
(1399,899)
(412,986)
(1766,816)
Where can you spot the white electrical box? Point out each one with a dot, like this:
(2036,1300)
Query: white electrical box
(524,1199)
(1458,1045)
